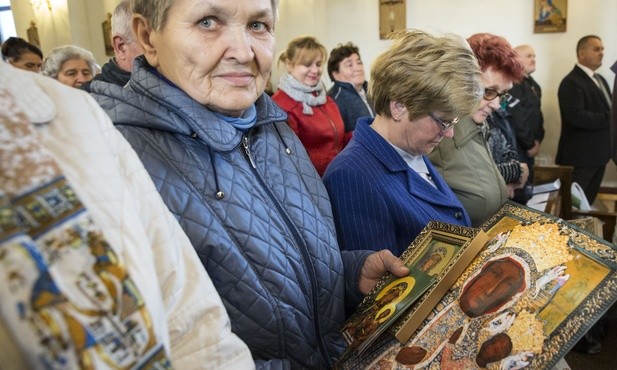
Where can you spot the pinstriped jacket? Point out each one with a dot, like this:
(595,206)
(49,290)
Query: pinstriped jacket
(379,201)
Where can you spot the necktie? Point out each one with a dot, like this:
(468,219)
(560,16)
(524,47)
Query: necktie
(600,83)
(65,294)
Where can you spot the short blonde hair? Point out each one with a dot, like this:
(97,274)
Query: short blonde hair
(426,73)
(303,50)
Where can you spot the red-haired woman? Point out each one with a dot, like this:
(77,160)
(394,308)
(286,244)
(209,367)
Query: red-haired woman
(465,162)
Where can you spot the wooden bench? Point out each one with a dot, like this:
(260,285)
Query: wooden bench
(560,203)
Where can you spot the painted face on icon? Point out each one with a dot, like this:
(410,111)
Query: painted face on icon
(497,283)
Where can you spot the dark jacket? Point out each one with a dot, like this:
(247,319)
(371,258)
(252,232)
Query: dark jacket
(350,103)
(378,201)
(502,143)
(255,211)
(614,116)
(585,122)
(110,72)
(526,114)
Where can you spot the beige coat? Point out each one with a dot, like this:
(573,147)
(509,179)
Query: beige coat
(466,164)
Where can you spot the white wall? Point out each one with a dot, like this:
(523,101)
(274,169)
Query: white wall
(336,21)
(357,21)
(75,22)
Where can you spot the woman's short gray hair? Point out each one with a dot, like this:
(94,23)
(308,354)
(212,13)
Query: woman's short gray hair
(426,73)
(58,56)
(155,11)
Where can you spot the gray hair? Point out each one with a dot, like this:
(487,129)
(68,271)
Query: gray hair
(121,22)
(155,11)
(58,56)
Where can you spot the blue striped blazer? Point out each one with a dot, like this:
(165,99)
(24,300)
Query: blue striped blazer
(379,201)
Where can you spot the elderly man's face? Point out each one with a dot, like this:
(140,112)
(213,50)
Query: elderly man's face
(219,52)
(498,282)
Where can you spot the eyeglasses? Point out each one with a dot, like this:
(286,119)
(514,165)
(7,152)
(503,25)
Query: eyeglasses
(445,126)
(490,94)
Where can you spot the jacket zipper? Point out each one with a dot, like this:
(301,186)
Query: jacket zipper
(337,143)
(303,249)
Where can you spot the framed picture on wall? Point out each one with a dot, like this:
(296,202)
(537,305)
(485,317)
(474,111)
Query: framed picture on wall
(392,14)
(550,16)
(109,49)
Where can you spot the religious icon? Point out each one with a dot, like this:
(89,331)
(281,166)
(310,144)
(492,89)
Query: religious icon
(109,49)
(438,252)
(550,15)
(536,286)
(392,17)
(33,34)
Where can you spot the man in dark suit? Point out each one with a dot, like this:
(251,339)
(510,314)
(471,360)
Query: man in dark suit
(526,115)
(585,106)
(614,118)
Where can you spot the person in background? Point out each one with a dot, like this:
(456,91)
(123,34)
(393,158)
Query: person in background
(21,54)
(383,189)
(346,70)
(585,142)
(99,275)
(311,114)
(118,69)
(465,161)
(614,118)
(238,179)
(525,110)
(585,107)
(70,64)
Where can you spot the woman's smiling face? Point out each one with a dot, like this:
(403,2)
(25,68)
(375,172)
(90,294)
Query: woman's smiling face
(219,52)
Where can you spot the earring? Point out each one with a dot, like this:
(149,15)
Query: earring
(397,119)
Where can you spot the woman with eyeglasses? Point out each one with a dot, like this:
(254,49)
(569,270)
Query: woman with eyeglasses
(465,162)
(382,186)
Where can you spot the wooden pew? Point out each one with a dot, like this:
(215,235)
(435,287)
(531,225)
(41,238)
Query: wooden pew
(560,203)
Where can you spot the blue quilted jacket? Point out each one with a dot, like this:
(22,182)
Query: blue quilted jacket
(256,212)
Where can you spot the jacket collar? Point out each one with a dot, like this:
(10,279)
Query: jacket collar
(393,162)
(150,101)
(465,130)
(348,86)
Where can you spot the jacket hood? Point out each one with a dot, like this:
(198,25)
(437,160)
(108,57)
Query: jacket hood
(150,101)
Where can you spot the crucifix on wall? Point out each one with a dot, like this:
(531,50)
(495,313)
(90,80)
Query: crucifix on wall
(392,17)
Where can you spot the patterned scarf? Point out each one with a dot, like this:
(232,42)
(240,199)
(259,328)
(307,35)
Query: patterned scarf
(65,295)
(302,93)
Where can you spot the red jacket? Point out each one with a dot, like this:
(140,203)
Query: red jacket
(322,134)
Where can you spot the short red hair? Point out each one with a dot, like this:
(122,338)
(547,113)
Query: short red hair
(496,52)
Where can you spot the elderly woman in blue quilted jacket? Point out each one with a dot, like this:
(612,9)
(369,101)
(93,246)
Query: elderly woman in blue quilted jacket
(238,179)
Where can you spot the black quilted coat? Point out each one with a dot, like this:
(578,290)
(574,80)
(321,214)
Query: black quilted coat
(256,212)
